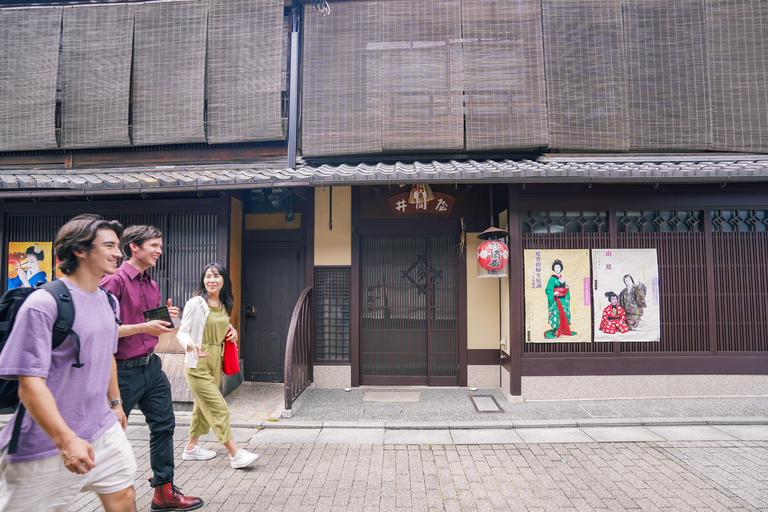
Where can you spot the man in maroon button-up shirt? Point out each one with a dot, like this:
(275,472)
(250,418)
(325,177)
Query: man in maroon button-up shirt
(140,372)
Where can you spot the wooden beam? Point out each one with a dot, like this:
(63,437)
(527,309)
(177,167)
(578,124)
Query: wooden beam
(150,157)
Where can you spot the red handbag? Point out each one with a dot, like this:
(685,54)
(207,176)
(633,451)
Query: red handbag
(231,364)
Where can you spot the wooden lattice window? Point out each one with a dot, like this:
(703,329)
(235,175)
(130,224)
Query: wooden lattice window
(739,221)
(554,222)
(332,296)
(740,250)
(659,221)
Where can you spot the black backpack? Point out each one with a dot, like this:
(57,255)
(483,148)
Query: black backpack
(10,303)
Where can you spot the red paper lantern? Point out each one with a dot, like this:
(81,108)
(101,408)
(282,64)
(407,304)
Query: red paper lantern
(493,255)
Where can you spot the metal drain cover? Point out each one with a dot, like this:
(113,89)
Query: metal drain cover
(485,403)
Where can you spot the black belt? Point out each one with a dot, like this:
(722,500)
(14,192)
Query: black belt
(130,363)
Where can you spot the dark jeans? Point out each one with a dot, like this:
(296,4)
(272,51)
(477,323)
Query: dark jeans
(148,387)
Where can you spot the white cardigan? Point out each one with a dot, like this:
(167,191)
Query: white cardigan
(192,324)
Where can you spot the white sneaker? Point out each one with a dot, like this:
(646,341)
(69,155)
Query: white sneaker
(198,453)
(242,459)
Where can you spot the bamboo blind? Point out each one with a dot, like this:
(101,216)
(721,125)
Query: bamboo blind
(504,87)
(738,74)
(169,72)
(586,82)
(666,63)
(244,66)
(341,111)
(422,103)
(29,62)
(96,47)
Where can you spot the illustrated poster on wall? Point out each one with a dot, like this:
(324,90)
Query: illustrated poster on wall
(557,296)
(626,294)
(29,263)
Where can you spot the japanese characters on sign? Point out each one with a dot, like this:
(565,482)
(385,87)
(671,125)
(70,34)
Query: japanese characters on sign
(400,204)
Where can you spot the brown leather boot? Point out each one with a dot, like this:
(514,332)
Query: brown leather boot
(169,497)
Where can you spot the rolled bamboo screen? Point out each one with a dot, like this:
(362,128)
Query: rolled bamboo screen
(341,110)
(738,74)
(96,48)
(421,89)
(586,78)
(394,75)
(667,68)
(29,63)
(169,72)
(504,88)
(243,77)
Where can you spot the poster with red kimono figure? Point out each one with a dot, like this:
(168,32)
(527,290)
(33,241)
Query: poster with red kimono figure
(625,291)
(557,296)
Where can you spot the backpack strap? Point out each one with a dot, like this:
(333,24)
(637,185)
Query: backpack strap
(65,318)
(13,446)
(113,304)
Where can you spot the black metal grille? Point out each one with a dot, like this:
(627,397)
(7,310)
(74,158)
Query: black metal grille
(189,242)
(408,294)
(332,296)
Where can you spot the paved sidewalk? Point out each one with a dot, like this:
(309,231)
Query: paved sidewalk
(375,477)
(438,454)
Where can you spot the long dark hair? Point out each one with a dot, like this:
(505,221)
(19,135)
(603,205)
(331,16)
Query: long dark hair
(225,295)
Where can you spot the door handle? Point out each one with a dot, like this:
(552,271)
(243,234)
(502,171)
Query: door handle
(250,311)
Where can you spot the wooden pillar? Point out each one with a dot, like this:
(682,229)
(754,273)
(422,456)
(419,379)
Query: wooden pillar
(516,305)
(223,220)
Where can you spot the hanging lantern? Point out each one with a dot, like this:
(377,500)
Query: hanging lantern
(421,193)
(492,254)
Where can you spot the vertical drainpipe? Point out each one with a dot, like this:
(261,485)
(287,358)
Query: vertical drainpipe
(293,105)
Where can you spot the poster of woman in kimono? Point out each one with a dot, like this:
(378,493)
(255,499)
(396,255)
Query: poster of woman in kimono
(557,298)
(29,264)
(626,294)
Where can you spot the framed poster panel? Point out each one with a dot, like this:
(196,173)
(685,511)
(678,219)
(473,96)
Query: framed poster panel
(29,263)
(557,296)
(626,294)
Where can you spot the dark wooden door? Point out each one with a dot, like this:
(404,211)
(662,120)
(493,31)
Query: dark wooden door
(409,320)
(273,280)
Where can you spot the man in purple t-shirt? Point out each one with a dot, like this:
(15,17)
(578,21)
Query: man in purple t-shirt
(140,372)
(72,437)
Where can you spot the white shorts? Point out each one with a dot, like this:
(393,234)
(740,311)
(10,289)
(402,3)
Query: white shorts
(46,484)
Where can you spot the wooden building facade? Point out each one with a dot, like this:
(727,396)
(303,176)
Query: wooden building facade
(274,139)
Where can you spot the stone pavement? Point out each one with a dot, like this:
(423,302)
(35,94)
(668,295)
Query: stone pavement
(574,476)
(664,454)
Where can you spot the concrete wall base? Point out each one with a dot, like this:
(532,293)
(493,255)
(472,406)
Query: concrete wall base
(482,376)
(505,375)
(641,386)
(337,376)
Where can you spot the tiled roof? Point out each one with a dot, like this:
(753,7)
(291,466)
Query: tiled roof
(266,174)
(544,169)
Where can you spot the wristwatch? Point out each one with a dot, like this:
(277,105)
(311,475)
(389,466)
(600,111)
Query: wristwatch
(115,402)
